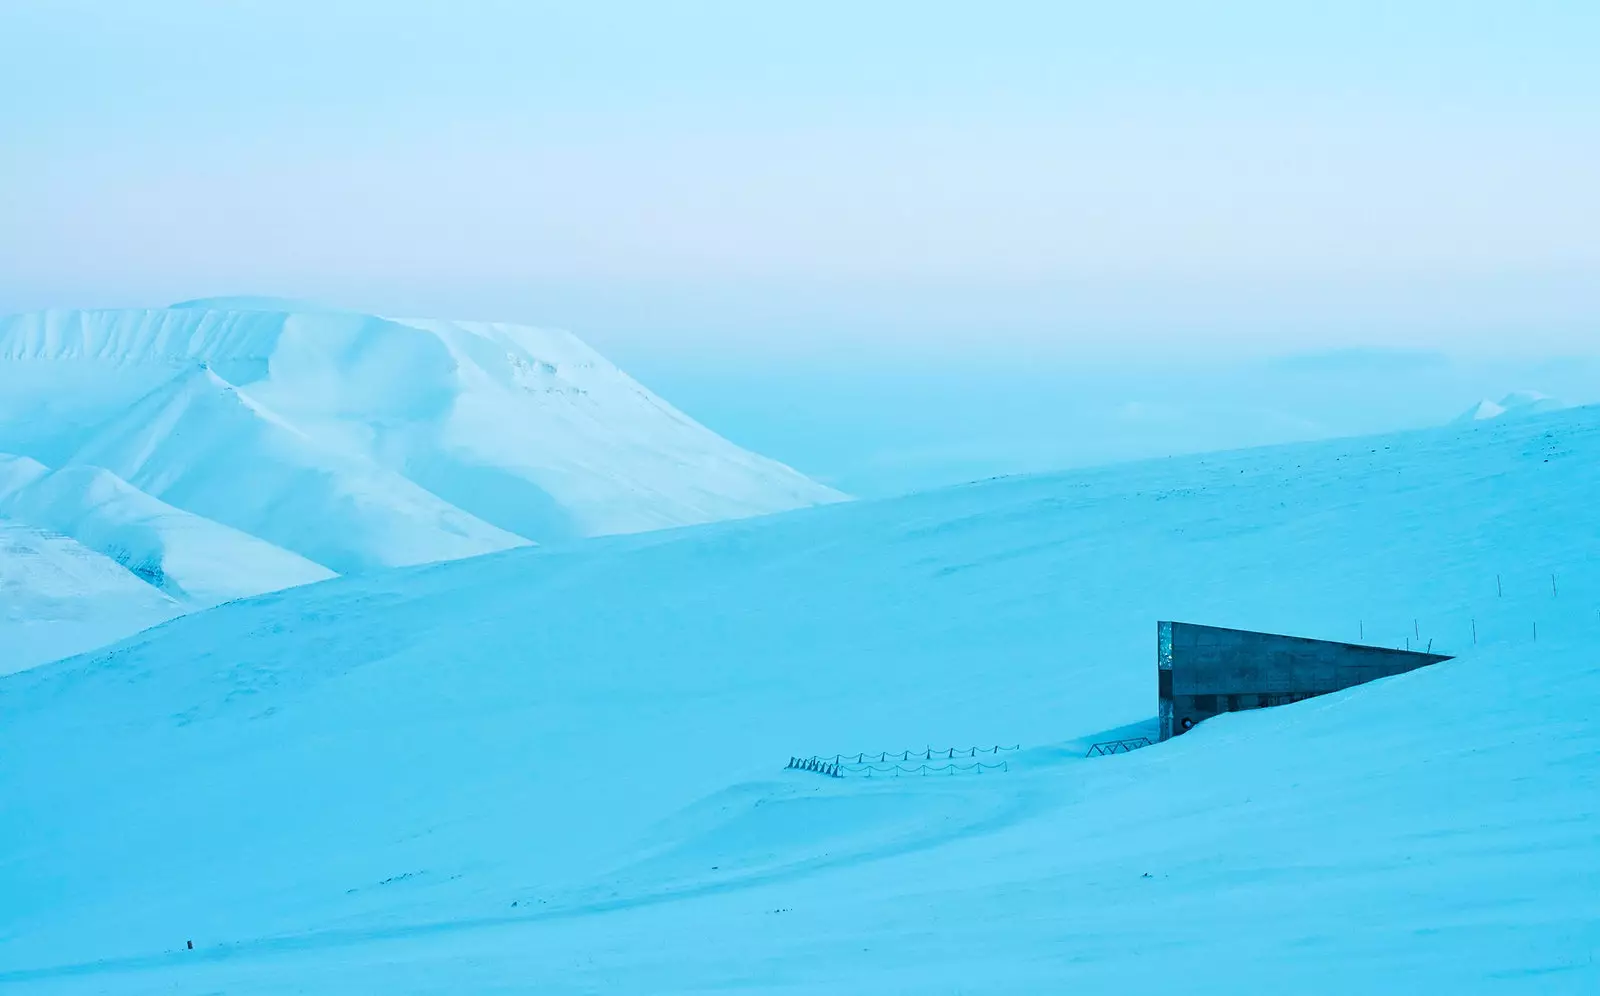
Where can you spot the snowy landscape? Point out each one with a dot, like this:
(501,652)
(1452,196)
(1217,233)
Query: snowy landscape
(563,768)
(914,498)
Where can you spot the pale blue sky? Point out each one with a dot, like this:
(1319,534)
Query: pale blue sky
(731,198)
(772,177)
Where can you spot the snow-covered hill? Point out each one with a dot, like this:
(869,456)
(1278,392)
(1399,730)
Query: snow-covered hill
(561,770)
(1514,405)
(192,558)
(58,598)
(252,444)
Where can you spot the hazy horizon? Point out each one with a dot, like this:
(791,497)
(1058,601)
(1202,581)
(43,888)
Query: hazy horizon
(751,209)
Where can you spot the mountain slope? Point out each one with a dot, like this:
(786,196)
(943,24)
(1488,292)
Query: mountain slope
(191,558)
(562,769)
(572,407)
(205,446)
(58,598)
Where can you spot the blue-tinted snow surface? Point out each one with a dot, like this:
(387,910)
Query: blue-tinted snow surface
(561,771)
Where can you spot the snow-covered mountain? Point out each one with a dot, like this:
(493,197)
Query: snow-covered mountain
(231,447)
(527,429)
(1513,405)
(563,771)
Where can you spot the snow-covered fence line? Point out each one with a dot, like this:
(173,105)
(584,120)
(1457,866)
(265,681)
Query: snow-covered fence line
(926,754)
(1526,606)
(895,770)
(821,767)
(839,767)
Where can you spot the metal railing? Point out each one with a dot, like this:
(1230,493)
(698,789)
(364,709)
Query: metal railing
(926,754)
(1107,747)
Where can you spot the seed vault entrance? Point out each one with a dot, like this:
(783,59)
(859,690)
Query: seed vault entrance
(1202,671)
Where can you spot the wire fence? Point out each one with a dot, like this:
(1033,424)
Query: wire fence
(926,754)
(896,770)
(1517,606)
(894,763)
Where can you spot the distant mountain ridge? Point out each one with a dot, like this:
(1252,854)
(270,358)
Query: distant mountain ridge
(295,441)
(1514,405)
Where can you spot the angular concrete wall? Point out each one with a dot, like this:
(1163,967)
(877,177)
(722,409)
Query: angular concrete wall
(1202,671)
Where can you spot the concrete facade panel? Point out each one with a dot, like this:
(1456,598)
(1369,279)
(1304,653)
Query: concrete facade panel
(1207,670)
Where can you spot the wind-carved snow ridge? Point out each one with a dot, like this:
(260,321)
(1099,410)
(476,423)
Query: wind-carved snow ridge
(195,560)
(206,446)
(294,442)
